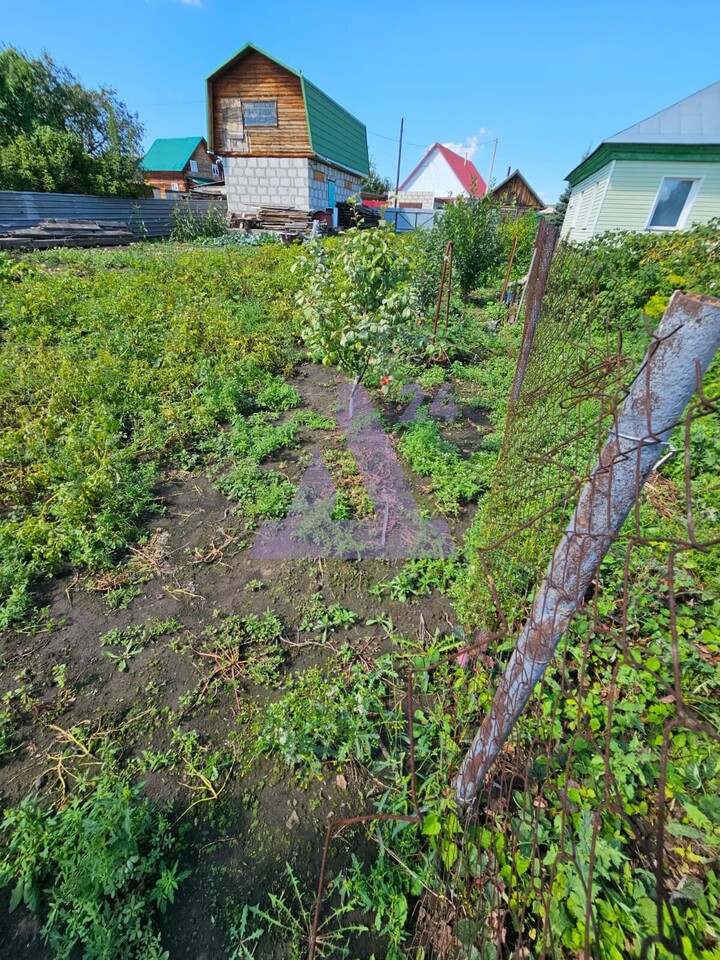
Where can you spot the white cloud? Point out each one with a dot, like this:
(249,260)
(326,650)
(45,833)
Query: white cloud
(470,146)
(191,3)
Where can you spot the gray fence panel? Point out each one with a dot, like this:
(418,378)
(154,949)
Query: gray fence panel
(146,217)
(408,219)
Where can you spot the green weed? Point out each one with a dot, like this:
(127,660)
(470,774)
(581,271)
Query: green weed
(97,868)
(131,641)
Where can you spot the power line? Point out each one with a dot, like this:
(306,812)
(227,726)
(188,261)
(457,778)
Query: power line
(480,143)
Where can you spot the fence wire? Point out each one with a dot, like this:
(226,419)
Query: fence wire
(597,830)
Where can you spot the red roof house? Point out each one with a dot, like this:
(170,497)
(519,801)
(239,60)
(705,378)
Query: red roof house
(441,175)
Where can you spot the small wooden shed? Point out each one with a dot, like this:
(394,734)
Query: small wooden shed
(516,196)
(177,164)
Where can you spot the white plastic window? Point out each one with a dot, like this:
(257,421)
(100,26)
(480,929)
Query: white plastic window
(673,202)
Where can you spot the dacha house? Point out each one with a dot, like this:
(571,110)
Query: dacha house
(283,141)
(174,165)
(660,174)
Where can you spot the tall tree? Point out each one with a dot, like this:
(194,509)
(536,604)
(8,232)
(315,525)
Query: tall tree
(57,135)
(557,218)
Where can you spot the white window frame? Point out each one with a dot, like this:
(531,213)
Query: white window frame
(685,212)
(215,170)
(193,166)
(175,187)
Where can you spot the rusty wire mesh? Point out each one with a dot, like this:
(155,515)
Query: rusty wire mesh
(597,831)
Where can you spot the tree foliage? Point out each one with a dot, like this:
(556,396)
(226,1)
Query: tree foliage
(56,135)
(558,217)
(374,183)
(357,301)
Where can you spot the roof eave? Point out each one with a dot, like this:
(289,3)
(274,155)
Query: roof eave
(338,165)
(607,152)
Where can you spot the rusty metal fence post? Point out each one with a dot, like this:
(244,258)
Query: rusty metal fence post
(682,349)
(545,242)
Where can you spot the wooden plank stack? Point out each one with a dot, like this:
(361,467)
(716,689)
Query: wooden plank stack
(68,233)
(286,220)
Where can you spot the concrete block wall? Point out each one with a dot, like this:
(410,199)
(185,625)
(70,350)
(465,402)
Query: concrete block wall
(346,184)
(424,197)
(254,182)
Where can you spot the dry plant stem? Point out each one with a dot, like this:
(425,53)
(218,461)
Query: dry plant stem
(684,345)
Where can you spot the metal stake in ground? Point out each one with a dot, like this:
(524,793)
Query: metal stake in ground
(684,345)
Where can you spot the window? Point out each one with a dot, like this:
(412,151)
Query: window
(260,113)
(193,166)
(175,186)
(215,170)
(673,202)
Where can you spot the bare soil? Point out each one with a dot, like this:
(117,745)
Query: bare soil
(200,562)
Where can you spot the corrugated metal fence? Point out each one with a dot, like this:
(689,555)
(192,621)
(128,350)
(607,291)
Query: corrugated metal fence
(146,218)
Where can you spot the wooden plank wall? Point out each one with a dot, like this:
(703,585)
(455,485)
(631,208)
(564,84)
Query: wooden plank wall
(254,77)
(516,190)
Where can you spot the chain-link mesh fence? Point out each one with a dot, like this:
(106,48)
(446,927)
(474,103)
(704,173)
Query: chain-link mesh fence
(596,831)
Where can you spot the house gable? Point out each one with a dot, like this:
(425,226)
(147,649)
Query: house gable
(688,131)
(306,123)
(445,174)
(515,190)
(251,76)
(696,119)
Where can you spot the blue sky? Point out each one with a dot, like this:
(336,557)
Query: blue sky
(547,79)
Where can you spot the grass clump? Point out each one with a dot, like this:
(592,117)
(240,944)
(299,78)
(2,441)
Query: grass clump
(453,481)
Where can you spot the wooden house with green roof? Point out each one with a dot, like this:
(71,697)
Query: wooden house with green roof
(660,174)
(283,141)
(174,165)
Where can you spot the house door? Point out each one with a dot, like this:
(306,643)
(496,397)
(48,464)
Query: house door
(331,194)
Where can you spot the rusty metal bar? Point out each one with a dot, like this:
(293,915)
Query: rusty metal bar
(545,242)
(682,349)
(447,259)
(509,268)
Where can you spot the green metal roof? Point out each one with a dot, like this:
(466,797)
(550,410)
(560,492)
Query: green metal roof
(170,153)
(335,135)
(641,151)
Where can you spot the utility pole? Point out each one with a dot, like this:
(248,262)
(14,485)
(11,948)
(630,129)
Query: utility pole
(492,163)
(397,179)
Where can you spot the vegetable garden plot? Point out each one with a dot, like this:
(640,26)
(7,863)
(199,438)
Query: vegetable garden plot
(256,701)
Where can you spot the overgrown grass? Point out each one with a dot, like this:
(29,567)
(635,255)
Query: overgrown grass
(113,364)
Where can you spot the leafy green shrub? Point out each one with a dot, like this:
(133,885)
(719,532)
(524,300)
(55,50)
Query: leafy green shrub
(524,229)
(97,869)
(356,301)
